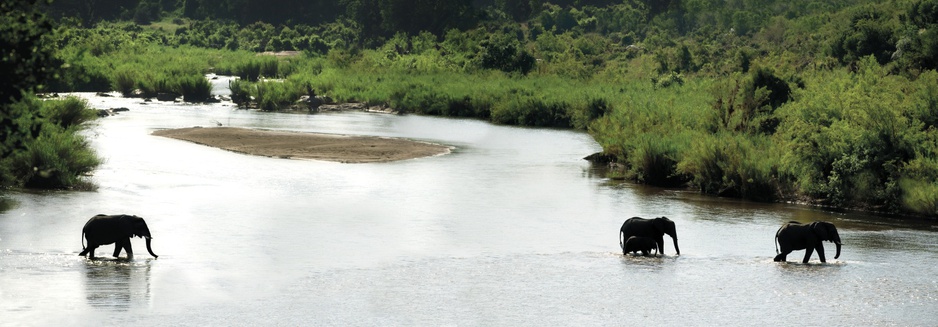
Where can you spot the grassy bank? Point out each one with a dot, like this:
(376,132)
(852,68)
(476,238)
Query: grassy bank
(826,103)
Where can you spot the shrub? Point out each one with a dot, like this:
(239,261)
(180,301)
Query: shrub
(124,81)
(69,113)
(240,92)
(249,70)
(274,95)
(55,160)
(59,155)
(654,162)
(195,88)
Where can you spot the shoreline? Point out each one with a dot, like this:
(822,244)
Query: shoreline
(302,145)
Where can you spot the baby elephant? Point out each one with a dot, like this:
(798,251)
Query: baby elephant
(644,244)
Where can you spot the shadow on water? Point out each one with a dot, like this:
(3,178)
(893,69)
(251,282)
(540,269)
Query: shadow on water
(812,269)
(6,204)
(117,284)
(651,262)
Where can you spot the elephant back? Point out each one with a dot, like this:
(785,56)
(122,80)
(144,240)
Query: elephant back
(105,228)
(641,227)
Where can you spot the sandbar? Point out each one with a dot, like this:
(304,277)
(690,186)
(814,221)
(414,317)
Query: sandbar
(301,145)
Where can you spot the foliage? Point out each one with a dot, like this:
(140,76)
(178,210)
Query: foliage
(41,145)
(24,64)
(60,155)
(829,102)
(503,53)
(194,88)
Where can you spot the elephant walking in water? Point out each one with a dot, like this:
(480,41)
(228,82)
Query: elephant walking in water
(651,228)
(797,236)
(643,244)
(118,229)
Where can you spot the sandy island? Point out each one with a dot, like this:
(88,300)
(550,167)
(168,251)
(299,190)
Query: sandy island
(328,147)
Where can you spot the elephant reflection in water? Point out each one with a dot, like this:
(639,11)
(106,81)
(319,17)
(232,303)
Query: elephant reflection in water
(117,284)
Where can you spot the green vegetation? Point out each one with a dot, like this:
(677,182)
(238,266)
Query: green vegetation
(41,142)
(829,103)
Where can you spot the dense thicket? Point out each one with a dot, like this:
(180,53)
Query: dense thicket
(39,141)
(827,102)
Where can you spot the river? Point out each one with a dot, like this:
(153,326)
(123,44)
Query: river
(511,229)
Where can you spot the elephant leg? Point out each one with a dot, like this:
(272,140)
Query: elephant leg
(820,252)
(782,257)
(807,254)
(129,249)
(117,248)
(123,244)
(90,250)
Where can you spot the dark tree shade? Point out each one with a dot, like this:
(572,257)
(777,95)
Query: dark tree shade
(24,66)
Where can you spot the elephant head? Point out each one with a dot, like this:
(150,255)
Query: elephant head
(665,225)
(138,227)
(826,231)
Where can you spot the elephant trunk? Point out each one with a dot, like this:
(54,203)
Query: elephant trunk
(838,250)
(677,249)
(156,256)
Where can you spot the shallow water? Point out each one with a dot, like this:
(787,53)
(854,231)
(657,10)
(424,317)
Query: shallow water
(512,228)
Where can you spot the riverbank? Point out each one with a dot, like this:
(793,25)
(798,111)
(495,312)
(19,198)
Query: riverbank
(315,146)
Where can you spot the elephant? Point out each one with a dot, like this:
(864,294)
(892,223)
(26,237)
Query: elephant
(797,236)
(638,243)
(652,228)
(118,229)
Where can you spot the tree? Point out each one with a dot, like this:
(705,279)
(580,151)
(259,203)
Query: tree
(25,65)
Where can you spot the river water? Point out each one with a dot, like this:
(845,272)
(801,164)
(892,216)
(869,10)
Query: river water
(511,229)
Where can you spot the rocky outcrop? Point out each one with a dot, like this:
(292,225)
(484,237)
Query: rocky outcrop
(111,111)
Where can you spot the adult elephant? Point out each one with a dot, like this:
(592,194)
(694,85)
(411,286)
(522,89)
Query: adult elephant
(118,229)
(797,236)
(651,228)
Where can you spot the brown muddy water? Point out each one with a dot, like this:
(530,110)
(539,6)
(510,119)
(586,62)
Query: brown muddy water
(511,229)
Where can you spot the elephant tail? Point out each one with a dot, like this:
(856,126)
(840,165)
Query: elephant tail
(621,240)
(776,239)
(84,249)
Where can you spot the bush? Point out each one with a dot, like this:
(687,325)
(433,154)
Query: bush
(240,92)
(124,81)
(59,156)
(249,71)
(55,160)
(274,95)
(195,88)
(69,113)
(506,54)
(728,166)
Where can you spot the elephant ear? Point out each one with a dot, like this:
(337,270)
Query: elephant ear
(661,223)
(821,229)
(126,224)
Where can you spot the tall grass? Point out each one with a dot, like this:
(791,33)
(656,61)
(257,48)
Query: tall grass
(240,92)
(495,96)
(70,113)
(194,88)
(124,81)
(274,95)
